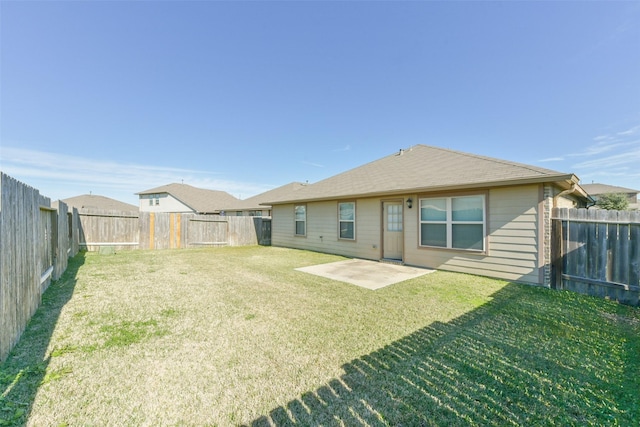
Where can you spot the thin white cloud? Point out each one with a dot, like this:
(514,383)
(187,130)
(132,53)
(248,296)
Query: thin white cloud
(552,159)
(623,177)
(611,140)
(633,131)
(627,157)
(317,165)
(626,28)
(345,148)
(604,146)
(62,176)
(602,138)
(612,158)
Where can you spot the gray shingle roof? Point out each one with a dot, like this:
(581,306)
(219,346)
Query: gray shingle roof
(596,189)
(200,200)
(258,201)
(424,168)
(93,201)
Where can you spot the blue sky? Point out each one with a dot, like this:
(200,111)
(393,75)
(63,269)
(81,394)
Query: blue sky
(116,97)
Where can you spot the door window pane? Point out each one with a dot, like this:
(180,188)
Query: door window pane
(394,217)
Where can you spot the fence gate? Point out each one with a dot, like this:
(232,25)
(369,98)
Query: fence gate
(265,232)
(597,252)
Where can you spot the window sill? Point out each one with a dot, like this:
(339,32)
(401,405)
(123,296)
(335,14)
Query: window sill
(460,251)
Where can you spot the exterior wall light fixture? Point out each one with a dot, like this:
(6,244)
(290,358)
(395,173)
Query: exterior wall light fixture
(409,202)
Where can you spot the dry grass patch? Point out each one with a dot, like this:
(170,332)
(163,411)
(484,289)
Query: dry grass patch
(236,336)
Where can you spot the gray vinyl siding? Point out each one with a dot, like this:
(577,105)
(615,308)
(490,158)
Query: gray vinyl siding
(322,229)
(512,243)
(512,246)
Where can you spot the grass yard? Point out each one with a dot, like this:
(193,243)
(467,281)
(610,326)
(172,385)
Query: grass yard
(236,336)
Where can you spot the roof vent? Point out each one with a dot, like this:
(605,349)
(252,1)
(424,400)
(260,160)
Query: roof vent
(401,152)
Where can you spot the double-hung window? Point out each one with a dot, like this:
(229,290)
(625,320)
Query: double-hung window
(301,220)
(453,222)
(347,220)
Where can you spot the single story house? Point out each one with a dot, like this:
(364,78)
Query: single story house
(436,208)
(183,198)
(596,190)
(255,206)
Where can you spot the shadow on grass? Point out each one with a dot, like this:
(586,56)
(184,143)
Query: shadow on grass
(25,368)
(530,356)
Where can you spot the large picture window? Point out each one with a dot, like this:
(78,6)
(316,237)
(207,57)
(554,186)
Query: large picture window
(347,220)
(453,222)
(301,220)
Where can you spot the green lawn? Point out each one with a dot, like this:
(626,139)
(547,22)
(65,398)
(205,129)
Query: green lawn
(236,336)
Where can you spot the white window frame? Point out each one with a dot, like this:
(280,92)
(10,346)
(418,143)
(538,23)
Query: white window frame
(353,221)
(296,220)
(449,222)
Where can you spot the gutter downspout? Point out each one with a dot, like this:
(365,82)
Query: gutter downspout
(573,188)
(568,191)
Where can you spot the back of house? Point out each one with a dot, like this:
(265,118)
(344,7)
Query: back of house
(436,208)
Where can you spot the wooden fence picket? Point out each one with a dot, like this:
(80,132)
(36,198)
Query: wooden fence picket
(600,253)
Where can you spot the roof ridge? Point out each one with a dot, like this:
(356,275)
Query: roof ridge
(492,159)
(609,186)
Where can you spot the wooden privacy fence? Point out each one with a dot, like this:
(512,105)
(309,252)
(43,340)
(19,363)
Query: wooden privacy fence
(37,238)
(35,245)
(597,252)
(190,230)
(111,230)
(100,229)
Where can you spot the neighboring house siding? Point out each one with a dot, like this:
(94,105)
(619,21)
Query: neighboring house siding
(166,203)
(513,227)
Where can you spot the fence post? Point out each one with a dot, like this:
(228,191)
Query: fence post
(634,252)
(557,250)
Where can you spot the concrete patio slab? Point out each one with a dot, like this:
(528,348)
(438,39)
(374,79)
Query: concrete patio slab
(367,274)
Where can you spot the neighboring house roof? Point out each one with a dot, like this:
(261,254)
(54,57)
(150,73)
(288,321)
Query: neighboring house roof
(424,168)
(596,189)
(92,201)
(200,200)
(259,201)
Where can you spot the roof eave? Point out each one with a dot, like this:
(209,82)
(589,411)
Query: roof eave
(565,181)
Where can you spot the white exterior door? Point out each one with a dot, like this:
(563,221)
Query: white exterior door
(392,231)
